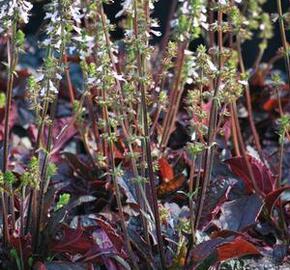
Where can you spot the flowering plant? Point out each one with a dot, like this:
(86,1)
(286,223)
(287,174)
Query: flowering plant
(127,142)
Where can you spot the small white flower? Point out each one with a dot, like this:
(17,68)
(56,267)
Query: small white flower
(188,52)
(127,6)
(77,29)
(156,33)
(211,66)
(58,76)
(243,82)
(52,88)
(58,31)
(91,80)
(224,2)
(57,44)
(189,81)
(119,77)
(23,8)
(154,23)
(39,77)
(8,11)
(76,14)
(46,42)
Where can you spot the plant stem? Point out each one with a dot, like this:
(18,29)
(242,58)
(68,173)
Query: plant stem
(12,62)
(249,103)
(44,165)
(212,126)
(244,154)
(174,100)
(234,130)
(283,38)
(32,205)
(191,208)
(147,145)
(12,54)
(68,79)
(116,186)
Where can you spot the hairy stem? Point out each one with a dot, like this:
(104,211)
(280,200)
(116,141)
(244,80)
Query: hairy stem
(212,126)
(147,145)
(12,54)
(283,38)
(249,103)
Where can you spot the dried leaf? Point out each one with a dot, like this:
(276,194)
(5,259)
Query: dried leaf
(165,169)
(171,186)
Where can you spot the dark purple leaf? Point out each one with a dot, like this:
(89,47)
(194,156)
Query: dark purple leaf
(204,249)
(216,195)
(262,174)
(239,214)
(60,266)
(273,196)
(279,253)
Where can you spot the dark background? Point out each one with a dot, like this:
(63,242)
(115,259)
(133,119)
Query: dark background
(162,9)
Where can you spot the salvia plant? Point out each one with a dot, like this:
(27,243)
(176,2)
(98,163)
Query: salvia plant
(165,146)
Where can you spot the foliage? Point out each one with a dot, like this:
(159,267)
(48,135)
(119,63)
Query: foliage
(134,154)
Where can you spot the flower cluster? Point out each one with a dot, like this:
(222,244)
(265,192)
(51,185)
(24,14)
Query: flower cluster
(191,20)
(13,10)
(57,34)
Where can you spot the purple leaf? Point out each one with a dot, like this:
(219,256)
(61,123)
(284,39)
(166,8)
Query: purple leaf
(239,214)
(262,174)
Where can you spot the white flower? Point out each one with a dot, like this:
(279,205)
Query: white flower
(188,52)
(211,66)
(154,23)
(129,33)
(24,10)
(156,33)
(77,29)
(91,80)
(119,77)
(126,6)
(58,76)
(9,10)
(51,88)
(54,17)
(76,13)
(39,77)
(224,2)
(46,42)
(189,80)
(243,82)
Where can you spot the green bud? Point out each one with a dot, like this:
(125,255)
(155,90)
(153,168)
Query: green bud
(195,148)
(51,170)
(9,178)
(20,38)
(63,200)
(2,100)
